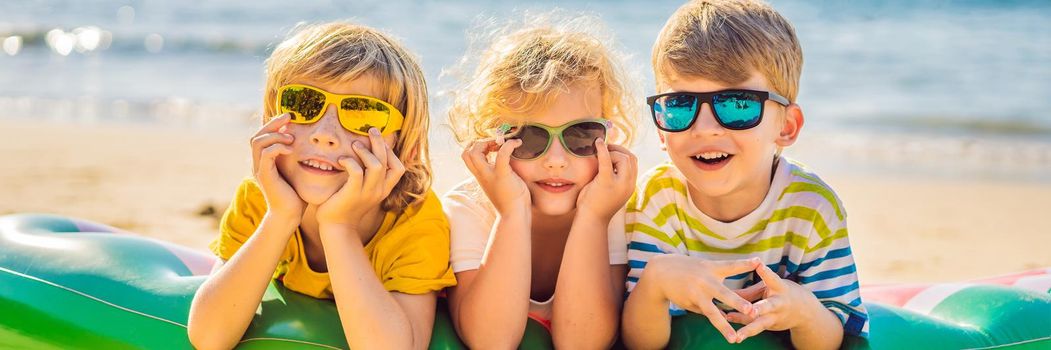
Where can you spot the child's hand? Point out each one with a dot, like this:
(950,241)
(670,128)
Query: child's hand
(611,188)
(785,305)
(267,144)
(500,183)
(692,283)
(365,188)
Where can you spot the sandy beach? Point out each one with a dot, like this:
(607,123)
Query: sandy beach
(173,184)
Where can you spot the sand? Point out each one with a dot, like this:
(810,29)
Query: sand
(173,184)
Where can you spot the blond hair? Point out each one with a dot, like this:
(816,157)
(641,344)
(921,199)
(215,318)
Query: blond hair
(340,52)
(725,40)
(522,66)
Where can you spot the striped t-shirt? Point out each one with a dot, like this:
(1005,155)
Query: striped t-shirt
(799,231)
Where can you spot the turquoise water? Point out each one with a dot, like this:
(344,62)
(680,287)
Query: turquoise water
(971,72)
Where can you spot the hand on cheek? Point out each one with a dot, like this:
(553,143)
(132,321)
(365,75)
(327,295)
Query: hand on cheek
(612,186)
(269,143)
(368,184)
(505,189)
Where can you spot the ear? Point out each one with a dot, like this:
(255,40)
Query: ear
(792,125)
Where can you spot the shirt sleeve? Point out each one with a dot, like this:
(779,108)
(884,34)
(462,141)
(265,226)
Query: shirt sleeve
(240,220)
(470,223)
(647,238)
(827,269)
(418,258)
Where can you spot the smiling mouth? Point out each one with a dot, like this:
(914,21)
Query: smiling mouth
(712,158)
(317,166)
(555,186)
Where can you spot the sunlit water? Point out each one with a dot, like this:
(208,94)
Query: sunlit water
(942,87)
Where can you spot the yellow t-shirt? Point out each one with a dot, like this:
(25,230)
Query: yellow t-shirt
(409,253)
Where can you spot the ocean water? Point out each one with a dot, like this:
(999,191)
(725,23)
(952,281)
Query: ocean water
(944,87)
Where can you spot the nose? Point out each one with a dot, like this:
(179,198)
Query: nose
(706,125)
(556,156)
(326,130)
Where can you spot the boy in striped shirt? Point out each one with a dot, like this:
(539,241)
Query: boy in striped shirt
(729,218)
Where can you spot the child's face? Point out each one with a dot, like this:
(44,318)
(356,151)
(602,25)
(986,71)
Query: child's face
(580,101)
(747,168)
(325,141)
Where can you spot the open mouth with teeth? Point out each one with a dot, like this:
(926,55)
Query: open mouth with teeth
(316,166)
(554,186)
(713,158)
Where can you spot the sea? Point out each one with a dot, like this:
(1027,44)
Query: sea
(930,87)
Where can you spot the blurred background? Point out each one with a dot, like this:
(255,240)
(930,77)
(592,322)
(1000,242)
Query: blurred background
(932,119)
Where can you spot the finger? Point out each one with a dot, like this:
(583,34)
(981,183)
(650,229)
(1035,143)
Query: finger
(503,157)
(476,154)
(354,174)
(618,148)
(716,318)
(274,124)
(764,307)
(623,166)
(773,281)
(727,268)
(265,140)
(728,297)
(374,171)
(468,161)
(755,327)
(739,318)
(268,158)
(394,172)
(605,164)
(378,146)
(268,139)
(753,292)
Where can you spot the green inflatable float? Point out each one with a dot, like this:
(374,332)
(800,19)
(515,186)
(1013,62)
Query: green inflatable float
(67,283)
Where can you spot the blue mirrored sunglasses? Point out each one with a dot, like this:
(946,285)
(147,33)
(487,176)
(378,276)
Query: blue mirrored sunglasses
(734,109)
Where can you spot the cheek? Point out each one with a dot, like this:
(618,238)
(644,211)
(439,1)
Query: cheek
(285,164)
(522,168)
(675,143)
(588,168)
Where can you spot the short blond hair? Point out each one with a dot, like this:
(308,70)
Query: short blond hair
(521,66)
(724,41)
(340,52)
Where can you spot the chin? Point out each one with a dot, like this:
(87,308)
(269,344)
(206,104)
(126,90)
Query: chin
(314,194)
(710,189)
(554,207)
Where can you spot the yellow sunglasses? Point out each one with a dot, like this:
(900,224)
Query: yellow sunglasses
(306,104)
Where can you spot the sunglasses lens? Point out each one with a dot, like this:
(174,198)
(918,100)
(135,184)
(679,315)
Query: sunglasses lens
(738,110)
(534,142)
(360,114)
(580,138)
(305,104)
(674,112)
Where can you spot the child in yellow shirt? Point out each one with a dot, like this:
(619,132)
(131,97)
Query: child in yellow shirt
(339,205)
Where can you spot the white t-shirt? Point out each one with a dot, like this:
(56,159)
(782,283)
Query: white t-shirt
(471,218)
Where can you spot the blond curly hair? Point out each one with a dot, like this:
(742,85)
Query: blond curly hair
(523,65)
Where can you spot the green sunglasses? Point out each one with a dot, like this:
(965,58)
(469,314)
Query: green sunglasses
(578,137)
